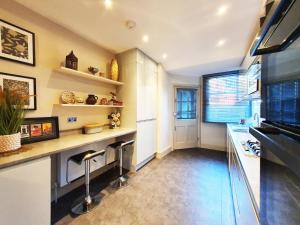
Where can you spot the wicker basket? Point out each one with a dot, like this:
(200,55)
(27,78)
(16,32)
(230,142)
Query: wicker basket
(10,142)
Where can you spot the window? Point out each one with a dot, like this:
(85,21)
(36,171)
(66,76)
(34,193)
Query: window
(222,97)
(283,103)
(186,100)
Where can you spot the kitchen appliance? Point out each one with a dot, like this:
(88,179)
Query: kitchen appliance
(252,148)
(280,27)
(279,44)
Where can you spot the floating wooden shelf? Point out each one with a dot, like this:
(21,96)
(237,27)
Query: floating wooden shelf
(88,76)
(90,106)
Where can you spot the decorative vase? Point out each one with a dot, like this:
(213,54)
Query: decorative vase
(91,100)
(114,70)
(10,142)
(71,61)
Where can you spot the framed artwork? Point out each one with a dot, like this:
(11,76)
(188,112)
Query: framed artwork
(25,85)
(39,129)
(16,44)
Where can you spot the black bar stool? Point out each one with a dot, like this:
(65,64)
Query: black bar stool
(121,181)
(86,204)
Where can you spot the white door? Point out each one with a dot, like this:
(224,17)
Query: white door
(186,118)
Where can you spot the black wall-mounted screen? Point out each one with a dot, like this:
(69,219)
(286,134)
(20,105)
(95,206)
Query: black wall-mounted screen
(283,103)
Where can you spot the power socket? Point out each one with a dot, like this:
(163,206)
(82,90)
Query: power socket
(72,119)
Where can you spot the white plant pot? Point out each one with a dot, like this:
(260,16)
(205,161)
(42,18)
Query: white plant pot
(10,142)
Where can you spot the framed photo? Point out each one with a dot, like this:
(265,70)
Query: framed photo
(39,129)
(25,85)
(16,44)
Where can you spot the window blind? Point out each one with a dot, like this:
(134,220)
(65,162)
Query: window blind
(222,97)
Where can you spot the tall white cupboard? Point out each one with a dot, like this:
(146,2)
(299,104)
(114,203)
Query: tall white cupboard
(139,94)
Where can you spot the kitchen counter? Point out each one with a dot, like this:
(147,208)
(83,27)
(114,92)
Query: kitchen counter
(64,143)
(250,164)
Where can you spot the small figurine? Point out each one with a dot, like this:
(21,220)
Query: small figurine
(115,120)
(113,100)
(93,70)
(71,61)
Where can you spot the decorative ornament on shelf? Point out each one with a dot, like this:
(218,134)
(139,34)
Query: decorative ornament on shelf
(103,101)
(114,70)
(68,97)
(12,114)
(114,101)
(71,61)
(91,100)
(93,70)
(115,121)
(79,100)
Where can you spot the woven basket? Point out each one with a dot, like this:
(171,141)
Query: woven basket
(10,142)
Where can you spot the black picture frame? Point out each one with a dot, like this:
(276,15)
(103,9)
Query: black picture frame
(32,91)
(39,129)
(30,44)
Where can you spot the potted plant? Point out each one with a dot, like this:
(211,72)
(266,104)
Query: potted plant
(11,117)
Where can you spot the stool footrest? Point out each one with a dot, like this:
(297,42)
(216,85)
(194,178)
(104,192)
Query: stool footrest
(81,206)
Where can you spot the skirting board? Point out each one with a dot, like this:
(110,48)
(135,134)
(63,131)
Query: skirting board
(213,147)
(143,163)
(165,152)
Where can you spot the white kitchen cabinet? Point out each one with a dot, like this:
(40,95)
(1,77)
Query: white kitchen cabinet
(25,193)
(146,140)
(146,89)
(243,203)
(139,94)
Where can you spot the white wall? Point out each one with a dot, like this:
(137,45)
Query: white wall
(164,141)
(53,43)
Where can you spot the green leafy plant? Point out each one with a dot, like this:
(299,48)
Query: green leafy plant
(11,111)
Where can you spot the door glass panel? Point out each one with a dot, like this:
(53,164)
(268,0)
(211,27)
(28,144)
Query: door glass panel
(186,103)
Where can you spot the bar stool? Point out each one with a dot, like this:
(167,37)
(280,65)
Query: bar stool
(86,204)
(121,181)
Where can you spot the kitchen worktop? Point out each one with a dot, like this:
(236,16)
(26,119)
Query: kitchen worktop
(250,164)
(64,143)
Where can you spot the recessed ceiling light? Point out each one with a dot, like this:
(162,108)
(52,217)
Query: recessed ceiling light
(222,10)
(145,38)
(108,4)
(221,43)
(164,56)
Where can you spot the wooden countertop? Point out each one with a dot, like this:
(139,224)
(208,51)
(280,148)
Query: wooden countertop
(64,143)
(250,164)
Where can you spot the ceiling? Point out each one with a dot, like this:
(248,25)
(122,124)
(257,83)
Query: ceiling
(188,31)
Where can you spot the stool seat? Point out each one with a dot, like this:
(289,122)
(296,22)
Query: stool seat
(116,144)
(79,157)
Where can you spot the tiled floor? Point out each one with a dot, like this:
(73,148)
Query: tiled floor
(187,187)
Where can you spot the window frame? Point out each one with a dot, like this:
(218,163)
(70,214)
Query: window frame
(196,90)
(214,75)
